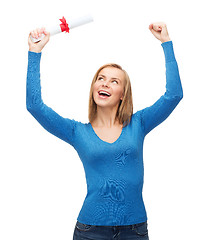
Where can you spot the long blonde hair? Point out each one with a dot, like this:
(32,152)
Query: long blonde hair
(125,108)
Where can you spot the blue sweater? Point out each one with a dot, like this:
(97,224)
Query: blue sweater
(114,171)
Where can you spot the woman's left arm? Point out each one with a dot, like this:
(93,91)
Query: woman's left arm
(163,107)
(152,116)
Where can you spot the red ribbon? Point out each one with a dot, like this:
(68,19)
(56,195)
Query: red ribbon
(64,26)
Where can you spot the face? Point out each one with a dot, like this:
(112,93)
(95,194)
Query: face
(108,87)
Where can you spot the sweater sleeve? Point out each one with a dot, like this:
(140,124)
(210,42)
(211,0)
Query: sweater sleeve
(155,114)
(62,128)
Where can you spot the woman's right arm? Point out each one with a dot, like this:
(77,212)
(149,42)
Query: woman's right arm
(62,128)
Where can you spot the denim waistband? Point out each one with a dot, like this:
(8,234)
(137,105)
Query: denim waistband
(120,226)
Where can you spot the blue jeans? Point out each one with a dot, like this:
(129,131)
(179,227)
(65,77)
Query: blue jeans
(126,232)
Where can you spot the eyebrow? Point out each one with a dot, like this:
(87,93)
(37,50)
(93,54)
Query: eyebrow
(105,76)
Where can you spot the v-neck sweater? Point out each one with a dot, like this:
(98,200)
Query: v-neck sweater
(114,171)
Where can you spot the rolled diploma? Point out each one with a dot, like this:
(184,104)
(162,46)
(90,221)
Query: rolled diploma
(72,23)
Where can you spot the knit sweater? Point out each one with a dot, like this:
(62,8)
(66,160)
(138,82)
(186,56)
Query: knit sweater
(114,171)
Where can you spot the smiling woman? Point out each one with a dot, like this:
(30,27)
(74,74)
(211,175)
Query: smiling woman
(112,79)
(110,145)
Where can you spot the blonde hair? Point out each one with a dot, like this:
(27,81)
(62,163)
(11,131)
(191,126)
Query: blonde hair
(125,108)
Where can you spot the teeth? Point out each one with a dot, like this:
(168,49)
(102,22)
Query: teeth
(104,93)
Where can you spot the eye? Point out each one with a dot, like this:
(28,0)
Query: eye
(100,78)
(115,81)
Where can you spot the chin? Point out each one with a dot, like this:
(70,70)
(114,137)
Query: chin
(107,105)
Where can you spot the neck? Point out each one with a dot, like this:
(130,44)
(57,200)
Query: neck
(106,117)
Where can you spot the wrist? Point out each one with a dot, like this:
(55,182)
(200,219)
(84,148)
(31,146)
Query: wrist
(34,50)
(166,40)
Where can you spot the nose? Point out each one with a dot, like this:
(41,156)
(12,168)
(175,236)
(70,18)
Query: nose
(105,84)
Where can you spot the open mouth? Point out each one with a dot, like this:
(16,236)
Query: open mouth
(104,94)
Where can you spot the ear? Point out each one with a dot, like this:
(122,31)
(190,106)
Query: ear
(121,97)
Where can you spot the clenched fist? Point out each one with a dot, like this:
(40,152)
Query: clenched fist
(37,47)
(159,30)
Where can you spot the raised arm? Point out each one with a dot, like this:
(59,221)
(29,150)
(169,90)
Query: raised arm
(62,128)
(152,116)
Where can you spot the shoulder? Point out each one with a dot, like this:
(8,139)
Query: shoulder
(76,123)
(138,114)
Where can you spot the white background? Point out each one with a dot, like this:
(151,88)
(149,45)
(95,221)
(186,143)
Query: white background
(42,180)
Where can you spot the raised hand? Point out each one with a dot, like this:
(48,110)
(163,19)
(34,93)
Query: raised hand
(38,46)
(159,30)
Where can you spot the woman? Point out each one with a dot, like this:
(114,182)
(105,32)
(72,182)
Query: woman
(110,146)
